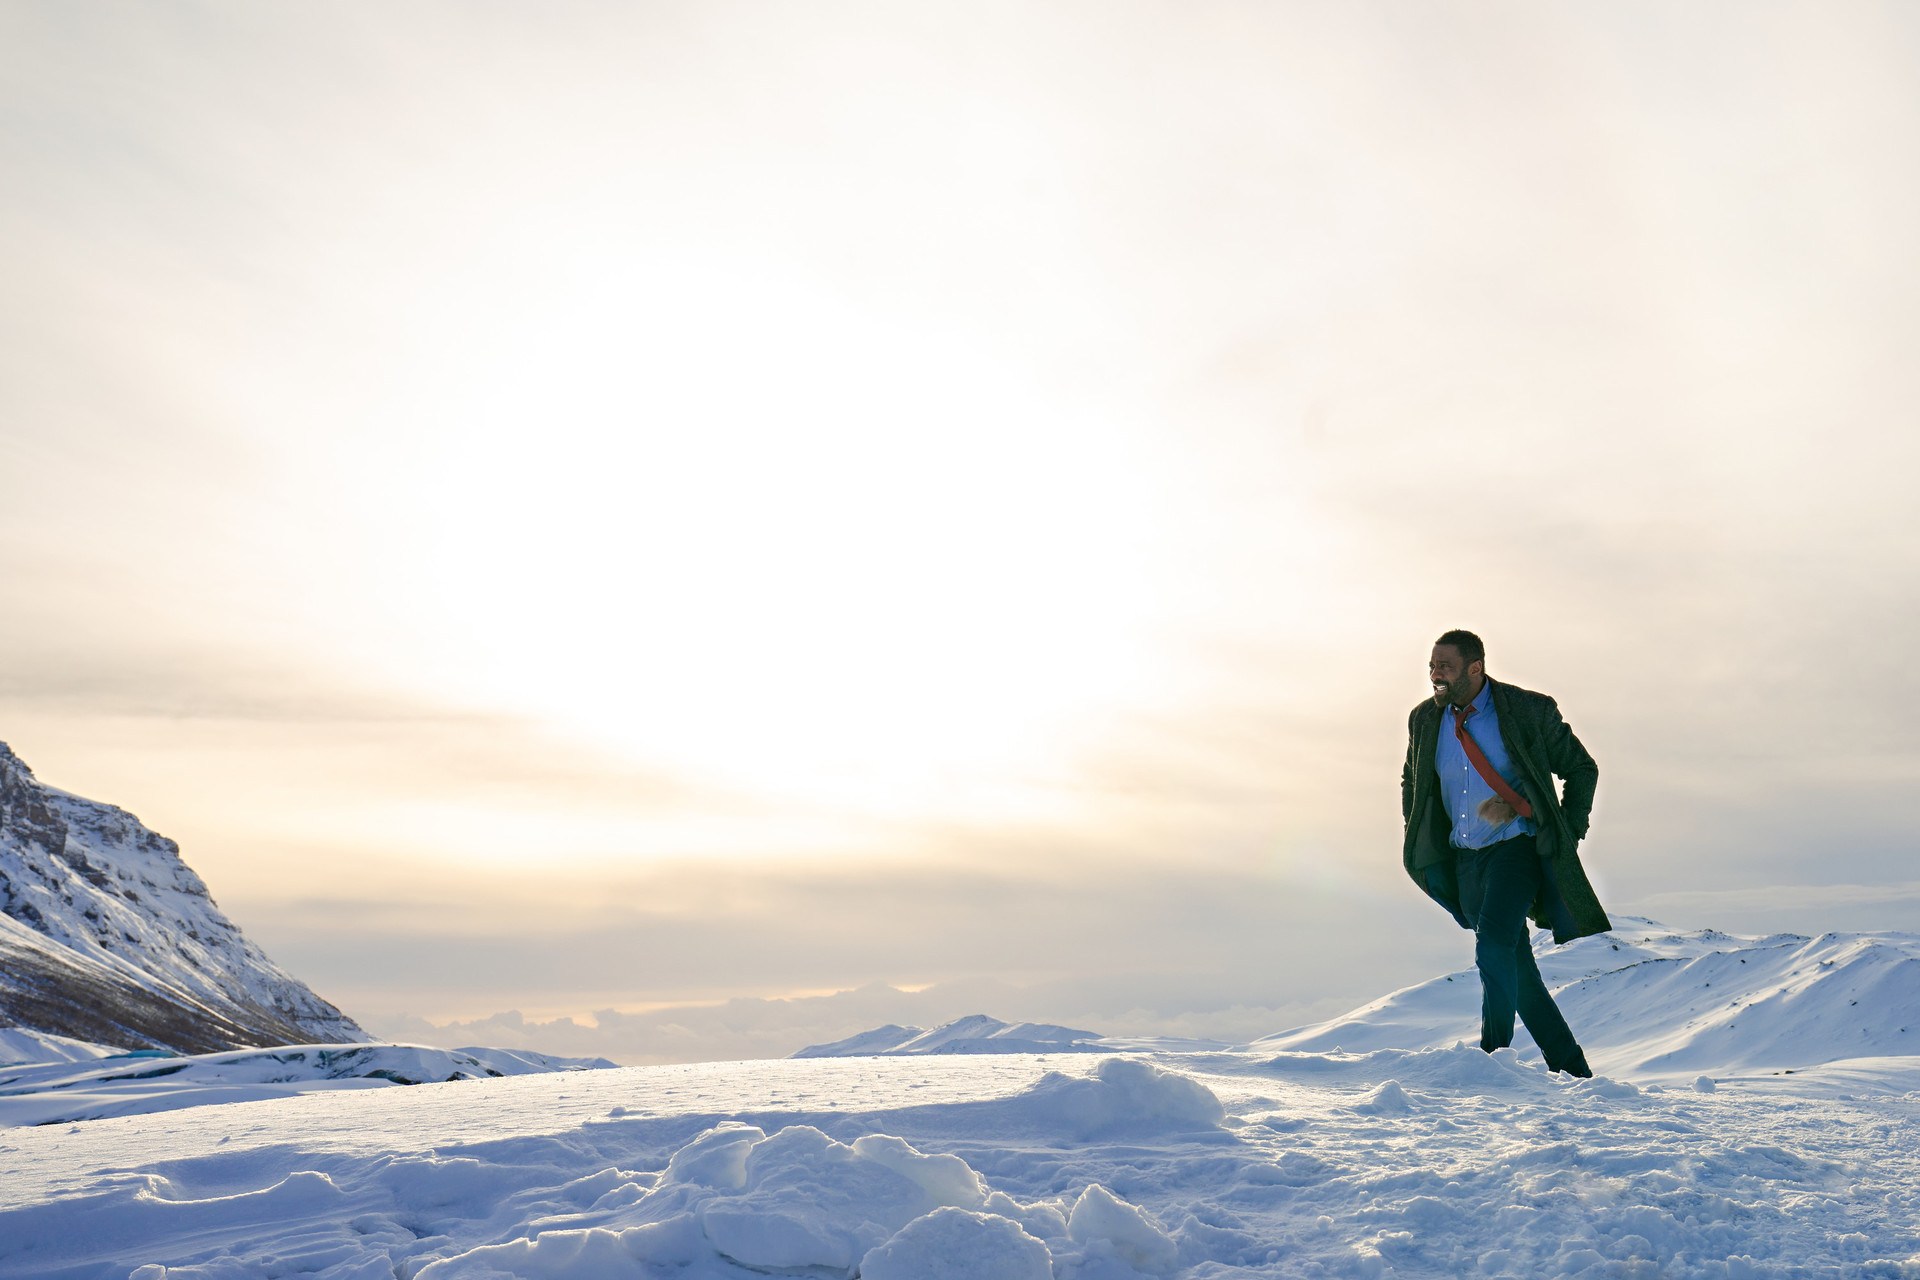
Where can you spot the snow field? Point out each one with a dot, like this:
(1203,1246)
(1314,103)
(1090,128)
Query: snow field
(1755,1117)
(1437,1162)
(82,1086)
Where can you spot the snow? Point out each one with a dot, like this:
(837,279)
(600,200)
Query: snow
(1794,1152)
(953,1244)
(97,1082)
(18,1044)
(1109,1227)
(1650,1001)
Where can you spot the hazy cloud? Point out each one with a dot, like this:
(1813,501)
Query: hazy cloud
(1115,938)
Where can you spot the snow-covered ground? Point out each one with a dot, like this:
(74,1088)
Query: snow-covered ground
(1404,1151)
(102,1083)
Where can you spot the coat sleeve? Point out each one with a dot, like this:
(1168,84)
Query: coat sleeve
(1406,772)
(1578,773)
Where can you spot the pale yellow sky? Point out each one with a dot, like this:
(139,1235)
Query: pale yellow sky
(607,450)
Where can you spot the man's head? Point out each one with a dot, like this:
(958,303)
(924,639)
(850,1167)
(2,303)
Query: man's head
(1458,668)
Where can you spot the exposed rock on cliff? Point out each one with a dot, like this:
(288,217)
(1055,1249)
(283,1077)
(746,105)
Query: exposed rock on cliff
(107,936)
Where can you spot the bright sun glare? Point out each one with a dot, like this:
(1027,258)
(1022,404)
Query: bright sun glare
(738,528)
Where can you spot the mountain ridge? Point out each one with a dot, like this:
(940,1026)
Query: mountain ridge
(976,1033)
(108,936)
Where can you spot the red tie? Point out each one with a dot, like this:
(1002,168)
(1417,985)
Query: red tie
(1513,798)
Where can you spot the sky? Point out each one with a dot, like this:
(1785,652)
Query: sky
(601,509)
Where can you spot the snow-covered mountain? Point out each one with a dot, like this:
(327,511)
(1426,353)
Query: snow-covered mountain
(975,1034)
(107,937)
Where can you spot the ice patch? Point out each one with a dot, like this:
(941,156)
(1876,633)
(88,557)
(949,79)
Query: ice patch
(954,1244)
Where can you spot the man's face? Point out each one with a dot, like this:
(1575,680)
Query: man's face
(1454,678)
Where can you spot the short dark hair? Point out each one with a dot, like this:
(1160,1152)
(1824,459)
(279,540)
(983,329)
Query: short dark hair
(1471,650)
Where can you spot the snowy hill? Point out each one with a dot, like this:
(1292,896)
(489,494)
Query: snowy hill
(976,1034)
(107,937)
(1648,1001)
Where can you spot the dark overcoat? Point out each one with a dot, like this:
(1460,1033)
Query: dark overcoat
(1541,747)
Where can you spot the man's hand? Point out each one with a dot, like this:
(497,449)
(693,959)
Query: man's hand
(1495,811)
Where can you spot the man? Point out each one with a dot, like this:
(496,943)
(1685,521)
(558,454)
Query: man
(1490,839)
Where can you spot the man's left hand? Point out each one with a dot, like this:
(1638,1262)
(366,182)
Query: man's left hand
(1496,812)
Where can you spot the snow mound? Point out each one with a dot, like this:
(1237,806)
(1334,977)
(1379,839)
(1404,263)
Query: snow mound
(799,1203)
(805,1200)
(975,1034)
(146,1081)
(1647,1000)
(1388,1098)
(955,1244)
(1110,1227)
(1124,1096)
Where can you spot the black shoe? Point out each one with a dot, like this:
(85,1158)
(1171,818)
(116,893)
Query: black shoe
(1576,1066)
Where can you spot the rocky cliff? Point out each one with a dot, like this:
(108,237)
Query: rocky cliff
(107,936)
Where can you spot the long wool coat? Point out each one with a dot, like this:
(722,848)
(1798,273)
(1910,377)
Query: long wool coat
(1541,747)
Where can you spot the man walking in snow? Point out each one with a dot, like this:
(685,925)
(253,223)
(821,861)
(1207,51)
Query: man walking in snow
(1489,838)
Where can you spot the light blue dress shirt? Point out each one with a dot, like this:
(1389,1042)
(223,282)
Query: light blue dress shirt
(1461,785)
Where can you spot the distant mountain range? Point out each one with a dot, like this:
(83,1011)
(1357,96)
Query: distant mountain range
(107,937)
(976,1034)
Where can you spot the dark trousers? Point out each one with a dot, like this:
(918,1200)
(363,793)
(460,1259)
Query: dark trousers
(1497,885)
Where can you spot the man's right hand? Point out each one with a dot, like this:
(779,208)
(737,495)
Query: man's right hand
(1496,812)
